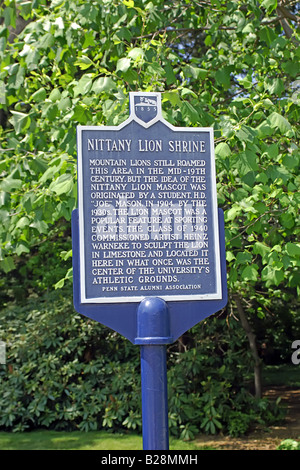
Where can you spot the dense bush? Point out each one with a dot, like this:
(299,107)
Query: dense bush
(211,383)
(64,371)
(289,444)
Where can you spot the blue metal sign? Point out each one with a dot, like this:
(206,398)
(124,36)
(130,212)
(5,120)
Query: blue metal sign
(147,223)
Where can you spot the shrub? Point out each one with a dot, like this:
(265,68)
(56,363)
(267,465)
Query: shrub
(289,444)
(210,383)
(64,371)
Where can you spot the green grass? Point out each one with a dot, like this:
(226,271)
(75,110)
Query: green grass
(94,440)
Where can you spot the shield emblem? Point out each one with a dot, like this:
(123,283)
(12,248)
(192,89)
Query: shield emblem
(145,107)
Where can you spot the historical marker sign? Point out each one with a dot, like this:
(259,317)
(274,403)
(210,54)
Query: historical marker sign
(148,239)
(148,216)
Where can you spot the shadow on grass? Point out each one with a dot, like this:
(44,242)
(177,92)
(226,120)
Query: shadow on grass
(94,440)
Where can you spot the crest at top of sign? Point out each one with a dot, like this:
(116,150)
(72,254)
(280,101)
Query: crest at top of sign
(145,108)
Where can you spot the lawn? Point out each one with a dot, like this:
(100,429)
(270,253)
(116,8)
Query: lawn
(94,440)
(287,375)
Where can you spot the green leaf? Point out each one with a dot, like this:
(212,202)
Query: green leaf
(172,96)
(136,53)
(245,162)
(84,85)
(20,121)
(84,62)
(243,257)
(189,112)
(262,250)
(187,92)
(250,273)
(64,104)
(59,284)
(123,64)
(46,41)
(264,129)
(81,114)
(7,264)
(66,255)
(89,40)
(270,5)
(128,3)
(38,165)
(55,95)
(277,121)
(39,95)
(292,68)
(290,161)
(246,134)
(279,173)
(223,76)
(9,184)
(69,274)
(287,220)
(40,226)
(22,247)
(103,84)
(222,150)
(49,174)
(50,110)
(233,212)
(9,15)
(62,185)
(155,69)
(22,222)
(123,34)
(272,276)
(275,86)
(229,256)
(195,72)
(293,249)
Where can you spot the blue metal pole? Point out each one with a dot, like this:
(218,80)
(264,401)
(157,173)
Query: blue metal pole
(153,333)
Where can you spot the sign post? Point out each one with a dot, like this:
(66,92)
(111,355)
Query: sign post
(153,335)
(148,239)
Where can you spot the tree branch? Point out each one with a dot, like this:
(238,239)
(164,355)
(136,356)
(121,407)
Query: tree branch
(181,30)
(284,14)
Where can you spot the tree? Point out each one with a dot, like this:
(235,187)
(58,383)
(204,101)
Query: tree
(231,65)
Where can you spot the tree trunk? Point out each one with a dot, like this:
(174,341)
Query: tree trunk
(253,347)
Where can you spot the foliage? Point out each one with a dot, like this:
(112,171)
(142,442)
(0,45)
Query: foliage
(41,269)
(210,384)
(66,372)
(275,334)
(229,65)
(53,376)
(287,375)
(289,444)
